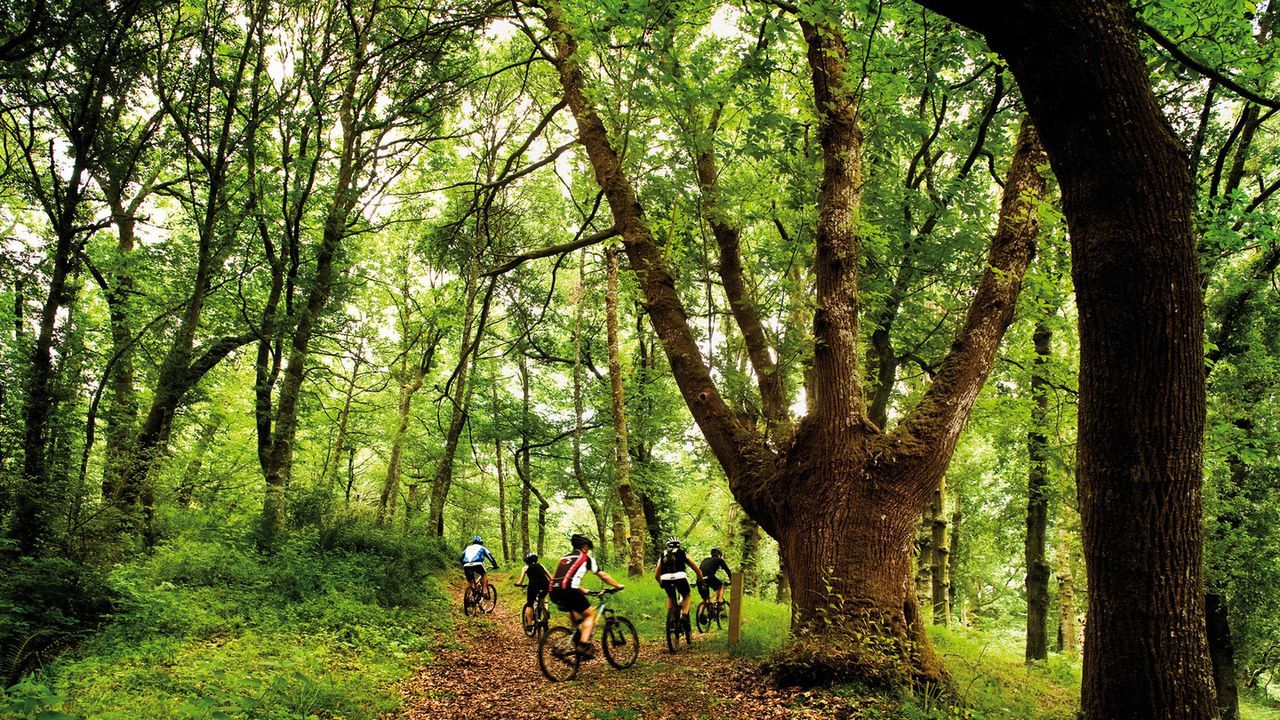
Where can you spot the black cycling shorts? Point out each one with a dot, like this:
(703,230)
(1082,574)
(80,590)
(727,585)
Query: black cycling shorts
(674,586)
(570,600)
(714,582)
(473,571)
(533,592)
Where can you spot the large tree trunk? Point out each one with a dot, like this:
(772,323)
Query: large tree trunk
(622,456)
(1038,491)
(1127,197)
(842,498)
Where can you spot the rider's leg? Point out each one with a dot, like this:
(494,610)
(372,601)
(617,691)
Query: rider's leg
(720,593)
(587,625)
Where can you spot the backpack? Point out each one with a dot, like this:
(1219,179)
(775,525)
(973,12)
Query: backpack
(565,569)
(673,561)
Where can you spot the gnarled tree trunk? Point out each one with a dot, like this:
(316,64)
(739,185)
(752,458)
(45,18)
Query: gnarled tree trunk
(842,498)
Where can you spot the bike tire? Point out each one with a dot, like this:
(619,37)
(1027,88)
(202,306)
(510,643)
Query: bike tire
(704,617)
(467,603)
(621,643)
(530,626)
(719,616)
(542,621)
(674,631)
(490,601)
(558,655)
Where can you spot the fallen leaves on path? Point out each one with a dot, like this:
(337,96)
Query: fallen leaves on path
(490,671)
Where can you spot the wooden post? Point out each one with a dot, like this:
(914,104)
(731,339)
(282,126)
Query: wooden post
(735,607)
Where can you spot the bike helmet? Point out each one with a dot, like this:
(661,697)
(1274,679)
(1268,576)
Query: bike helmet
(673,542)
(579,541)
(477,540)
(715,552)
(531,558)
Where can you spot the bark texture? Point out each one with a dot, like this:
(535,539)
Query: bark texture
(1127,196)
(1037,580)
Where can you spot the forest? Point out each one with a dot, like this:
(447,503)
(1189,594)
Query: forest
(955,326)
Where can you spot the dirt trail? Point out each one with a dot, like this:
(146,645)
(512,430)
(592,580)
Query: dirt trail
(490,670)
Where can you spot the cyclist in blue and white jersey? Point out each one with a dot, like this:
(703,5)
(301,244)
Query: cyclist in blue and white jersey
(473,557)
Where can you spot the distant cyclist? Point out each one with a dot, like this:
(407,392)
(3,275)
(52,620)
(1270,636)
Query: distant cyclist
(569,595)
(539,582)
(473,557)
(671,576)
(710,567)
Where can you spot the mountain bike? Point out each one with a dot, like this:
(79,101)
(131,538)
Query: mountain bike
(475,600)
(558,654)
(711,611)
(541,620)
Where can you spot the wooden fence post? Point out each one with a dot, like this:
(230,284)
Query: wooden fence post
(735,608)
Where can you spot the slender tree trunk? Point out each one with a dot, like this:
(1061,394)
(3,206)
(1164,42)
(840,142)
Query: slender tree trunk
(1223,656)
(940,580)
(1068,633)
(334,461)
(471,336)
(522,457)
(631,504)
(924,557)
(391,487)
(1038,503)
(954,599)
(597,508)
(502,498)
(122,402)
(749,533)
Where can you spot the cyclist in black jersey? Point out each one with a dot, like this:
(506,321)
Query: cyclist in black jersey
(539,583)
(710,567)
(671,576)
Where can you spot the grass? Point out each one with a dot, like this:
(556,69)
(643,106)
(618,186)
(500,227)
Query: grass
(208,628)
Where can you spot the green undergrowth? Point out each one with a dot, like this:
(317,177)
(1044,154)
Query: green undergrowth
(207,627)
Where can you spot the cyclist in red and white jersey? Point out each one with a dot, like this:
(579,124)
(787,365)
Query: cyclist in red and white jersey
(567,591)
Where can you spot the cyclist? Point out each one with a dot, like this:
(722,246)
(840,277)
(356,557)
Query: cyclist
(473,557)
(671,576)
(569,595)
(710,567)
(539,582)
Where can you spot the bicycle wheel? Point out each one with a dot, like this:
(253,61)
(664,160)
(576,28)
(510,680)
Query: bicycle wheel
(468,601)
(488,602)
(688,629)
(542,620)
(621,643)
(673,629)
(558,654)
(529,621)
(704,617)
(719,615)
